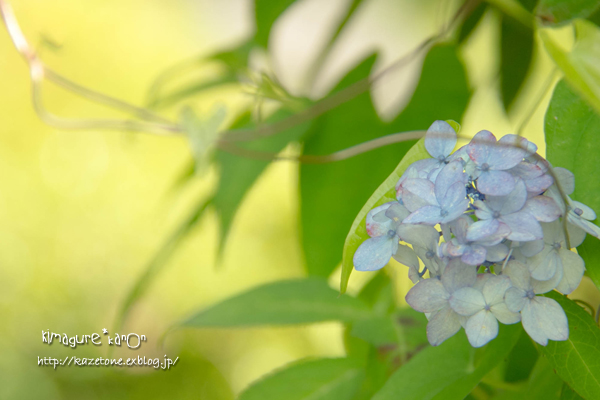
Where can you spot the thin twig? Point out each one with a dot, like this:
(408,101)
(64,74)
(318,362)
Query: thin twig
(38,72)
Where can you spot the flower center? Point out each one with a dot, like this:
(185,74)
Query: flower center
(556,245)
(496,214)
(530,295)
(578,211)
(429,254)
(443,213)
(485,167)
(391,233)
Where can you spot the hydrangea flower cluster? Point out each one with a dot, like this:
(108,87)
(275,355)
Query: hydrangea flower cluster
(500,244)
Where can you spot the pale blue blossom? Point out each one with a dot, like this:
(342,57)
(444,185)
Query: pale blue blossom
(484,305)
(543,318)
(492,158)
(432,296)
(556,263)
(441,202)
(425,240)
(382,225)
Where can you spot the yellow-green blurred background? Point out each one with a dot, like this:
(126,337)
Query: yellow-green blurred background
(82,212)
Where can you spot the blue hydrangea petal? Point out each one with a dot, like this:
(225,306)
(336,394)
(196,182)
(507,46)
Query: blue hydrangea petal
(454,204)
(448,176)
(417,193)
(507,153)
(396,212)
(440,139)
(419,235)
(495,183)
(467,301)
(430,259)
(523,226)
(479,147)
(442,325)
(474,255)
(429,295)
(481,328)
(544,319)
(515,200)
(544,264)
(375,253)
(540,287)
(573,269)
(586,212)
(494,288)
(501,233)
(459,228)
(429,215)
(433,174)
(543,208)
(519,275)
(481,229)
(378,223)
(515,299)
(406,256)
(504,315)
(482,210)
(526,170)
(458,275)
(566,179)
(584,225)
(496,253)
(539,185)
(530,249)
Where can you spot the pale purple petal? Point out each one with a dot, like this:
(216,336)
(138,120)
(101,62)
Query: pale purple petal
(442,325)
(543,208)
(583,211)
(377,222)
(421,188)
(481,328)
(440,139)
(507,153)
(448,176)
(467,301)
(482,229)
(513,202)
(375,253)
(543,319)
(474,255)
(482,210)
(429,215)
(458,275)
(530,249)
(428,295)
(479,147)
(495,183)
(523,226)
(454,204)
(539,185)
(502,232)
(540,287)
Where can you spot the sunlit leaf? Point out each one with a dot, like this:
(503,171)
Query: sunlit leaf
(309,380)
(577,360)
(571,129)
(581,66)
(561,11)
(298,301)
(472,21)
(448,371)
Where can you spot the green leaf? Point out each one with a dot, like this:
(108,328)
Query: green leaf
(299,301)
(332,194)
(516,48)
(238,173)
(266,12)
(569,394)
(581,66)
(556,12)
(577,359)
(542,384)
(449,371)
(472,21)
(571,129)
(325,379)
(521,359)
(377,331)
(191,378)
